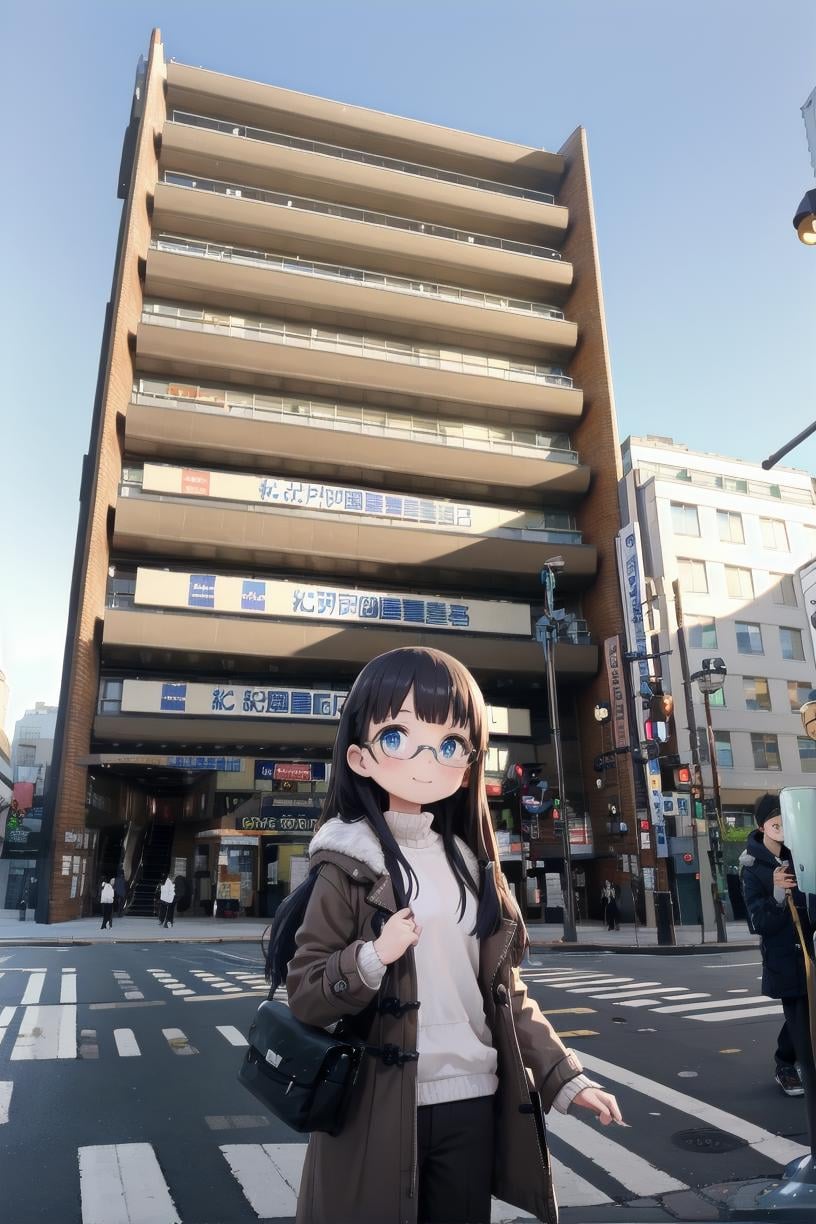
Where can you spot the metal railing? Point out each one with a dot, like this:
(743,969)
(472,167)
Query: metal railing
(187,119)
(358,276)
(175,178)
(278,331)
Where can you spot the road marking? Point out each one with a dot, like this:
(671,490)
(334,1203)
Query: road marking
(109,1006)
(268,1174)
(178,1041)
(574,1191)
(655,1002)
(6,1089)
(588,988)
(243,994)
(126,1044)
(34,988)
(776,1148)
(770,1010)
(733,965)
(122,1183)
(182,990)
(46,1032)
(235,1121)
(631,1170)
(655,988)
(232,1034)
(68,984)
(578,1033)
(571,1011)
(677,1007)
(6,1017)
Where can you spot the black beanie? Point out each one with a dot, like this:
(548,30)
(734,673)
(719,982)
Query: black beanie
(765,807)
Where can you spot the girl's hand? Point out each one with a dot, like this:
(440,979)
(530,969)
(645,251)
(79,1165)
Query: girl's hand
(783,879)
(601,1103)
(399,933)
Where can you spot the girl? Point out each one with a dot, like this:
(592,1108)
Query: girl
(404,881)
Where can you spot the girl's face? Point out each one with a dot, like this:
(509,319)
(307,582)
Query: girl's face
(773,829)
(417,763)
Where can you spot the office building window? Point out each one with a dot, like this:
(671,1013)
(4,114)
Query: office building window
(110,697)
(729,526)
(783,592)
(766,751)
(757,694)
(701,632)
(749,638)
(739,582)
(798,693)
(807,753)
(684,519)
(722,746)
(774,534)
(692,575)
(790,642)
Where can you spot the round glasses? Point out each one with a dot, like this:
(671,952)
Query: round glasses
(454,750)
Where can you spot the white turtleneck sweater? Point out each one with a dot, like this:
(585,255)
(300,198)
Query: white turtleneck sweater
(457,1059)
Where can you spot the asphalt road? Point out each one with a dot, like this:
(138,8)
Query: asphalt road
(119,1099)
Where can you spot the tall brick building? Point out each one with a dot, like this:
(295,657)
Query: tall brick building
(354,392)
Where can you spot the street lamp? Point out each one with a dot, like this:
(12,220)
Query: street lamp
(547,635)
(807,713)
(804,221)
(710,679)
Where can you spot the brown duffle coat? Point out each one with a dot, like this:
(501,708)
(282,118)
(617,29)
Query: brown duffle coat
(368,1173)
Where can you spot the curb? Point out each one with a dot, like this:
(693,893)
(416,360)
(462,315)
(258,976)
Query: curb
(707,949)
(82,941)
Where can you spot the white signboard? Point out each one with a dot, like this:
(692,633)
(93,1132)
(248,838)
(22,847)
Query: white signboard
(294,601)
(807,579)
(554,895)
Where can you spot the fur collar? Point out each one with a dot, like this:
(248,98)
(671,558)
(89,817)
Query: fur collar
(357,840)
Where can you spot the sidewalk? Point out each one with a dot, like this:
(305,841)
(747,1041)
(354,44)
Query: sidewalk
(594,936)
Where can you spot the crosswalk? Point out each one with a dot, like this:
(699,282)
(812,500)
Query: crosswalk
(653,995)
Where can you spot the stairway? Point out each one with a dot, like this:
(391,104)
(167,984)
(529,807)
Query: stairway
(155,866)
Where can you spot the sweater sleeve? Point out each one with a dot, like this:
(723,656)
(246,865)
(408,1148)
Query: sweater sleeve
(570,1090)
(369,965)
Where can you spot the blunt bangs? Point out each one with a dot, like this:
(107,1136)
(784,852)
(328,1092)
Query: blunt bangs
(441,686)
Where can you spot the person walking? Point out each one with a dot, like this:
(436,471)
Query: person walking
(609,906)
(168,901)
(107,904)
(767,882)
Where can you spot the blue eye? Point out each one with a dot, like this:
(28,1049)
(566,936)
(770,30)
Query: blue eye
(452,748)
(391,740)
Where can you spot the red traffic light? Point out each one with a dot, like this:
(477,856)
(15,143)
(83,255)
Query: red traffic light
(644,826)
(682,778)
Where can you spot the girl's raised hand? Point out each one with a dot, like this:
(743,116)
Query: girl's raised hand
(603,1104)
(399,933)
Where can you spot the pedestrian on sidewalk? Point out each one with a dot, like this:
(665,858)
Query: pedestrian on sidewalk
(119,892)
(106,899)
(168,901)
(767,881)
(404,892)
(609,906)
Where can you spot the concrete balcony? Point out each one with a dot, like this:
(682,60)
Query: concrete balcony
(367,372)
(362,237)
(231,278)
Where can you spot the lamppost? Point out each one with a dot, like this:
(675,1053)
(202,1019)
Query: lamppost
(547,635)
(710,679)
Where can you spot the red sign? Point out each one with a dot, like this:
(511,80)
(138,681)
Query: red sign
(293,771)
(196,482)
(23,795)
(493,790)
(688,858)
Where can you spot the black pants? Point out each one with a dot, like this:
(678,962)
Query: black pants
(107,910)
(785,1053)
(169,911)
(798,1022)
(455,1161)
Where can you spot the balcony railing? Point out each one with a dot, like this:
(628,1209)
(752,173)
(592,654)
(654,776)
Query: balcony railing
(357,276)
(302,203)
(357,155)
(368,422)
(352,344)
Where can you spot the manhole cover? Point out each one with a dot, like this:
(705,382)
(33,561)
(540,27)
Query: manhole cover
(707,1139)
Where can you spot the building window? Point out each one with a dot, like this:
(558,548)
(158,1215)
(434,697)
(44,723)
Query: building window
(757,694)
(739,582)
(684,519)
(790,641)
(766,751)
(110,697)
(729,526)
(749,638)
(810,538)
(774,534)
(702,632)
(807,753)
(798,693)
(783,592)
(722,746)
(692,575)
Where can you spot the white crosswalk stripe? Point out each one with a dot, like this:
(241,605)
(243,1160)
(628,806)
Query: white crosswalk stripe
(633,1172)
(126,1043)
(770,1009)
(121,1183)
(6,1088)
(46,1032)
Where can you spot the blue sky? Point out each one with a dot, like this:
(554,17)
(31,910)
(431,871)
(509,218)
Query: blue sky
(698,158)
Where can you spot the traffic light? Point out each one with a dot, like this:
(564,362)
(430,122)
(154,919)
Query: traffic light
(649,750)
(682,778)
(644,826)
(519,777)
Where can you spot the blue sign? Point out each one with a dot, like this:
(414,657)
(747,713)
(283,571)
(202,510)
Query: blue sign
(201,593)
(363,501)
(253,596)
(315,601)
(222,764)
(174,698)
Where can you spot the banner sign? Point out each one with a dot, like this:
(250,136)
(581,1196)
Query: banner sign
(807,580)
(23,822)
(290,771)
(633,591)
(289,600)
(276,824)
(341,500)
(656,803)
(617,692)
(220,764)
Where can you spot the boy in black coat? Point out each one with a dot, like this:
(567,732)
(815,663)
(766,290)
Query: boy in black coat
(767,879)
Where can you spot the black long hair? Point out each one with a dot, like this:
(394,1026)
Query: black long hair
(442,689)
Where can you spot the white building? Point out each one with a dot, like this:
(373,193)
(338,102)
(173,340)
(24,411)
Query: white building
(733,537)
(33,745)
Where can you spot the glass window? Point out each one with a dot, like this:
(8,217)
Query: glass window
(729,526)
(739,582)
(749,638)
(798,693)
(810,538)
(722,746)
(807,753)
(717,698)
(702,632)
(766,751)
(757,694)
(692,574)
(733,485)
(684,519)
(110,697)
(774,534)
(783,592)
(790,641)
